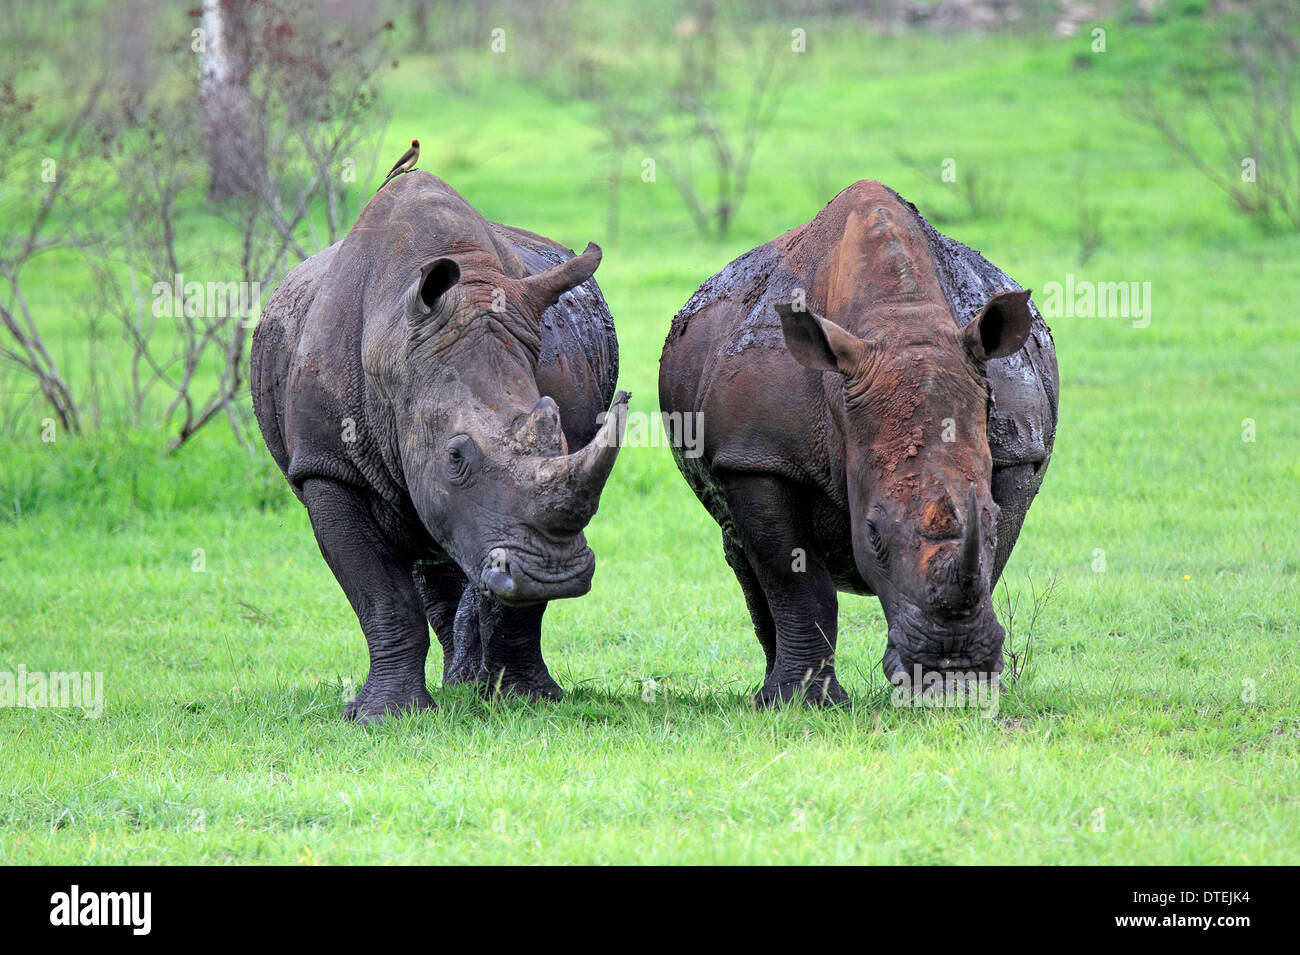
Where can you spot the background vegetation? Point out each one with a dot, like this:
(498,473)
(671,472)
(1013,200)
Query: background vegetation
(1158,720)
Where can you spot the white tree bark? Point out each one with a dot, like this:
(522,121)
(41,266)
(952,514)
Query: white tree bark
(230,131)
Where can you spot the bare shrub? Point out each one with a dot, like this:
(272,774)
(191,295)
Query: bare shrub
(1018,648)
(1248,101)
(700,145)
(313,115)
(313,104)
(34,223)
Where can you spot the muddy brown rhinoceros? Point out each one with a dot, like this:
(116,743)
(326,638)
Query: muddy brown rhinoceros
(430,387)
(878,408)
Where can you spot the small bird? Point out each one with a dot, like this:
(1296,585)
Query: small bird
(405,164)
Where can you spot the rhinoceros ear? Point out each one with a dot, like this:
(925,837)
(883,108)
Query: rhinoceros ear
(436,278)
(1001,328)
(545,288)
(817,343)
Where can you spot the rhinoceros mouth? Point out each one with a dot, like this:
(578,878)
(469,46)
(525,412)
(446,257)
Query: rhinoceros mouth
(518,577)
(973,643)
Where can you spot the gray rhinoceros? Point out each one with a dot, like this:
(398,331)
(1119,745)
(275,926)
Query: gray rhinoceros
(878,407)
(430,387)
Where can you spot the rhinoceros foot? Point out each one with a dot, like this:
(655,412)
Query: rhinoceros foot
(822,689)
(529,685)
(378,699)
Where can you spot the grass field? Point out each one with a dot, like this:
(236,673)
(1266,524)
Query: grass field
(1159,719)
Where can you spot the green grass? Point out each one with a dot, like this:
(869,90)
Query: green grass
(222,741)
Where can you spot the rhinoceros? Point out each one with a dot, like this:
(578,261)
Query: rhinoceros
(430,386)
(878,405)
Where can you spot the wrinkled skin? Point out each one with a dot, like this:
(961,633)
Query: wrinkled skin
(430,387)
(879,405)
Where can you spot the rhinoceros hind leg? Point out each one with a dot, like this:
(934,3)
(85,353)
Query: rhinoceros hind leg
(512,651)
(462,662)
(378,584)
(799,592)
(451,605)
(755,600)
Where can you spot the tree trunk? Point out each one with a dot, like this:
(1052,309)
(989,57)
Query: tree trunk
(230,131)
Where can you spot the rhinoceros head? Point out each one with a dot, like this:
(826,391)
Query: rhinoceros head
(913,411)
(482,452)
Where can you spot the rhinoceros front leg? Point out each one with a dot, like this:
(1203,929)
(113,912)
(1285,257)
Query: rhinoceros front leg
(377,581)
(512,650)
(778,542)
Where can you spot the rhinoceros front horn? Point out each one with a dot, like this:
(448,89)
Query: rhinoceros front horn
(968,558)
(569,486)
(545,288)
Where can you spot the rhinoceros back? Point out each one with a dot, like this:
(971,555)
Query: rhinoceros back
(1024,386)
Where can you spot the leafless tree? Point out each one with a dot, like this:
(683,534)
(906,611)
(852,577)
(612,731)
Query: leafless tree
(32,225)
(702,148)
(153,163)
(225,44)
(1257,163)
(312,109)
(314,102)
(317,108)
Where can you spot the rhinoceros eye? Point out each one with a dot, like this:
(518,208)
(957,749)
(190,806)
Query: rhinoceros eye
(461,455)
(878,547)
